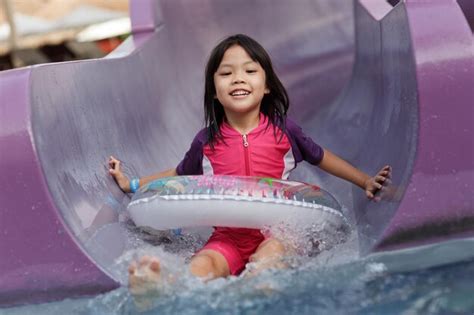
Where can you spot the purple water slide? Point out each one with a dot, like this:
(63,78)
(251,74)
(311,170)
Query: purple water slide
(395,89)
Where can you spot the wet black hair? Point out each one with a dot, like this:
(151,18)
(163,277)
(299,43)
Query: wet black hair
(274,104)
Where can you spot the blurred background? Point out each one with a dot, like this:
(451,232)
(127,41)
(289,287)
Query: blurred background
(40,31)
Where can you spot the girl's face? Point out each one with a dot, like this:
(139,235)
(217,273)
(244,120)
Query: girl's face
(240,82)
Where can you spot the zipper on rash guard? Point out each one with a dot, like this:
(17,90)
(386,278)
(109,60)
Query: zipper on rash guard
(246,152)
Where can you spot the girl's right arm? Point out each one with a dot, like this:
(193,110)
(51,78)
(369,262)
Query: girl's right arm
(124,183)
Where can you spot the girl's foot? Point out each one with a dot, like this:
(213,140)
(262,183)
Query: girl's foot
(144,276)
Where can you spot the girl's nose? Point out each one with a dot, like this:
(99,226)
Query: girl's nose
(237,80)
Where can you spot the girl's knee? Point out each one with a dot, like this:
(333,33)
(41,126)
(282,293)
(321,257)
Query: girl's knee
(276,246)
(205,266)
(201,266)
(270,249)
(273,246)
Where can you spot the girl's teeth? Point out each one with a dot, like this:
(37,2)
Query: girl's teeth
(239,93)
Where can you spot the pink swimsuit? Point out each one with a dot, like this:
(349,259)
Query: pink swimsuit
(259,153)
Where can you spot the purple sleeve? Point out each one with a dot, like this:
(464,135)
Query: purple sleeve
(304,148)
(192,161)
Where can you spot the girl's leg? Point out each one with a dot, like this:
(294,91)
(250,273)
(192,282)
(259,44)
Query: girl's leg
(269,254)
(146,274)
(209,264)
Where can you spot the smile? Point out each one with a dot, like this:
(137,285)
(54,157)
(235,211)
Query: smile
(239,93)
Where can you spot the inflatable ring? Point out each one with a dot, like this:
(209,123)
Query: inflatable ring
(232,201)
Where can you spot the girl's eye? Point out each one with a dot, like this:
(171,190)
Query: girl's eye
(251,71)
(225,73)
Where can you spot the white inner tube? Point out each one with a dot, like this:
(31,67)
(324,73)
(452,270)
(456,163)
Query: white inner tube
(250,202)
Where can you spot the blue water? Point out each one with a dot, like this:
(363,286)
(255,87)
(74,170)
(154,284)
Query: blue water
(334,282)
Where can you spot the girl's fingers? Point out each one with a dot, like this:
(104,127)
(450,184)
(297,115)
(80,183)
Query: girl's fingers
(387,170)
(377,182)
(114,164)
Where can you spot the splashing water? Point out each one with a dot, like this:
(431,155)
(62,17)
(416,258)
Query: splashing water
(309,240)
(326,278)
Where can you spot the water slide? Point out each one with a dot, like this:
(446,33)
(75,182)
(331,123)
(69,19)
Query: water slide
(376,82)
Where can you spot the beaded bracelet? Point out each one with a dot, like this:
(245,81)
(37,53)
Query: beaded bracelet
(134,185)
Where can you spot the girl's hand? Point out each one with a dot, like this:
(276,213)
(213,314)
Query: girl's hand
(116,172)
(374,184)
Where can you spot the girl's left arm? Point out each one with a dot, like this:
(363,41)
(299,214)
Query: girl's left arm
(334,165)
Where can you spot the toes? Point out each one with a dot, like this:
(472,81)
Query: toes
(132,268)
(145,260)
(155,265)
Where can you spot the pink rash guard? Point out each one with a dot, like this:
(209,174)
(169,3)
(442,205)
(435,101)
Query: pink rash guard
(258,153)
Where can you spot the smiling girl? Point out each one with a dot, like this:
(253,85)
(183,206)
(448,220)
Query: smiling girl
(247,133)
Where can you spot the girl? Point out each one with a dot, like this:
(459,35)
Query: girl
(247,133)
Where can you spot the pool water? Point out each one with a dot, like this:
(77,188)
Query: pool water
(333,282)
